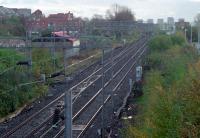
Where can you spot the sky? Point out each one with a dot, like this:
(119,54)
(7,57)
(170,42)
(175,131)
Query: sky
(143,9)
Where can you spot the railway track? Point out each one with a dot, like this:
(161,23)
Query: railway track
(49,127)
(50,132)
(86,115)
(78,89)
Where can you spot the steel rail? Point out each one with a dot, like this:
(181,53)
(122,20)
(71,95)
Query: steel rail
(94,97)
(107,99)
(57,99)
(47,120)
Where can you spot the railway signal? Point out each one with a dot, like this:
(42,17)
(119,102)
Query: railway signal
(24,63)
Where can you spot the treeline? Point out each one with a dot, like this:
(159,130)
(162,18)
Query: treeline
(169,107)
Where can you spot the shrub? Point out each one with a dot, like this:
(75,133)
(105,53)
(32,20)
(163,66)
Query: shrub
(170,105)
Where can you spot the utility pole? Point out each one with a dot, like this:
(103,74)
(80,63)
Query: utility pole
(198,36)
(103,95)
(65,52)
(68,97)
(130,85)
(53,49)
(112,93)
(185,33)
(68,113)
(30,55)
(191,34)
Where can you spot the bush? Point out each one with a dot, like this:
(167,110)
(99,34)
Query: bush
(10,98)
(170,105)
(160,43)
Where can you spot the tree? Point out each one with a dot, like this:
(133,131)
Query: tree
(118,13)
(97,17)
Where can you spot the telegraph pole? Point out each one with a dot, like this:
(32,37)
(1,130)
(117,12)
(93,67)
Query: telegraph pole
(53,49)
(68,113)
(112,93)
(198,36)
(103,95)
(191,34)
(68,96)
(186,34)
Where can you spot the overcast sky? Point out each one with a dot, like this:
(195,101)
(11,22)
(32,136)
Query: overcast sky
(143,9)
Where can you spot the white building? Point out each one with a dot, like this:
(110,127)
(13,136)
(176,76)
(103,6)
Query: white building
(161,24)
(170,25)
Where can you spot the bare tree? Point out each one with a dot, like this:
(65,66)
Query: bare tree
(118,12)
(97,17)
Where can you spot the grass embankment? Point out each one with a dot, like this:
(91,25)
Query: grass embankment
(12,96)
(169,107)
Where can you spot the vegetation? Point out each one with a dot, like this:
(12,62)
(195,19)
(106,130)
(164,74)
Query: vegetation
(12,26)
(120,13)
(12,96)
(169,107)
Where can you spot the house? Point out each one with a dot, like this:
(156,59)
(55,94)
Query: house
(56,21)
(37,15)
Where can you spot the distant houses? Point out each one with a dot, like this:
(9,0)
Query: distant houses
(37,21)
(56,22)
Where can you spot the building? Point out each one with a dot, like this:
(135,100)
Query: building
(59,19)
(170,21)
(8,12)
(140,21)
(23,12)
(181,24)
(55,21)
(37,15)
(170,25)
(161,24)
(150,21)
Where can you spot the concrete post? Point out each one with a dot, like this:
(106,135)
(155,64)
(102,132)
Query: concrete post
(68,114)
(103,95)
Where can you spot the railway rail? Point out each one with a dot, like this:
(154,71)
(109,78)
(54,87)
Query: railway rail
(86,115)
(78,89)
(47,133)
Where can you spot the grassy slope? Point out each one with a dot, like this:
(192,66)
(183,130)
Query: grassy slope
(169,107)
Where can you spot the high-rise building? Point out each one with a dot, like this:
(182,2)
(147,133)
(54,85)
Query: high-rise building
(150,21)
(140,21)
(170,21)
(160,23)
(170,25)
